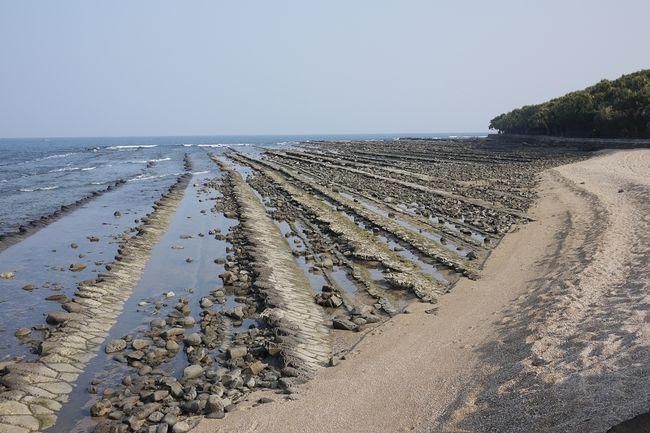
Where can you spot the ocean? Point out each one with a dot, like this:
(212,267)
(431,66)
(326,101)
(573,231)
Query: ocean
(39,175)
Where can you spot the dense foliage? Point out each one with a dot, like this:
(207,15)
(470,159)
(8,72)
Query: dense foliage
(618,108)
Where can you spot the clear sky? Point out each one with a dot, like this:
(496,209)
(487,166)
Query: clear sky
(158,67)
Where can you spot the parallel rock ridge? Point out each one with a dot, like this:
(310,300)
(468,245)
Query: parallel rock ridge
(35,391)
(290,309)
(406,274)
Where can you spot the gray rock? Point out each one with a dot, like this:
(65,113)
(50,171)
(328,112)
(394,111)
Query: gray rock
(206,303)
(72,307)
(237,352)
(193,339)
(101,408)
(181,427)
(76,267)
(192,371)
(23,332)
(214,404)
(139,344)
(115,346)
(344,324)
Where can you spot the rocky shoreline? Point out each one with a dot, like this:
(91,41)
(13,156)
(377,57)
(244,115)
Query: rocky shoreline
(325,242)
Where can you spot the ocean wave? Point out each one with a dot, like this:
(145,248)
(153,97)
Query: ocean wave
(45,158)
(223,144)
(64,169)
(43,188)
(59,170)
(141,177)
(132,147)
(144,161)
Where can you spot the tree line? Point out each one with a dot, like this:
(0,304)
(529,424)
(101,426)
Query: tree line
(609,109)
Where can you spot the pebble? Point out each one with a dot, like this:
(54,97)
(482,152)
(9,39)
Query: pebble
(181,427)
(192,371)
(115,346)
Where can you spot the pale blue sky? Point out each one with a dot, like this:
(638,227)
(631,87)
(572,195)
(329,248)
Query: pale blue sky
(155,67)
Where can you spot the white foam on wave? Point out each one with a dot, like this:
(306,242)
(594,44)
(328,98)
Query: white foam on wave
(44,188)
(88,168)
(200,172)
(59,170)
(59,155)
(223,144)
(141,177)
(145,161)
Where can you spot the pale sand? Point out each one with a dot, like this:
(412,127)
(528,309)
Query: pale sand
(553,337)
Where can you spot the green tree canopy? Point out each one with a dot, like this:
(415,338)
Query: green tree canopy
(618,108)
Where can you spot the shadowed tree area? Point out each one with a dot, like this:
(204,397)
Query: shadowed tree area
(609,109)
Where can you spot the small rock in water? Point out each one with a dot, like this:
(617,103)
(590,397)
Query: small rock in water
(7,275)
(72,307)
(206,303)
(188,260)
(193,339)
(117,213)
(76,267)
(92,238)
(115,346)
(170,294)
(100,408)
(23,332)
(139,344)
(29,288)
(74,246)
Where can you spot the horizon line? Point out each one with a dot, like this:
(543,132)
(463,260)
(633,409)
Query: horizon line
(245,135)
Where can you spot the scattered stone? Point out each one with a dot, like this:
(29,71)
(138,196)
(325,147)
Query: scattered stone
(193,339)
(8,275)
(139,344)
(206,303)
(29,288)
(115,346)
(76,267)
(181,427)
(237,352)
(344,324)
(23,332)
(101,408)
(192,371)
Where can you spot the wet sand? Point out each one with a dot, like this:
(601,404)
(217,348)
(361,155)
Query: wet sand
(553,336)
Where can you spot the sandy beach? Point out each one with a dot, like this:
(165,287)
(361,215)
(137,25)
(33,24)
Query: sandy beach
(552,338)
